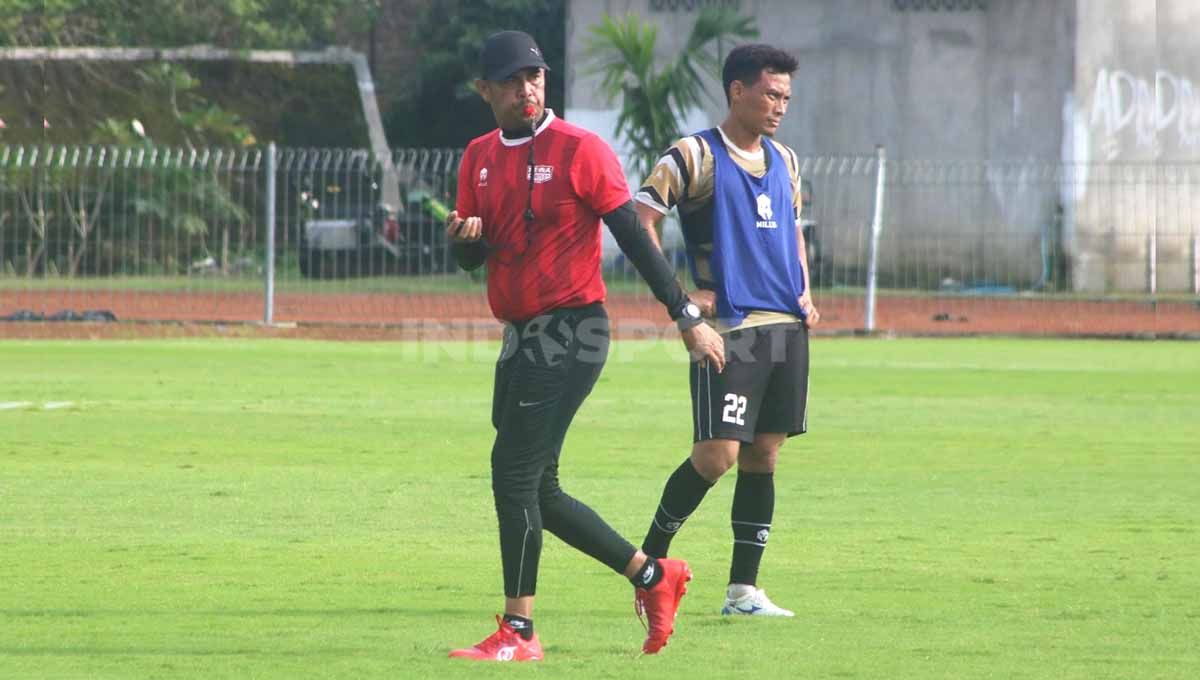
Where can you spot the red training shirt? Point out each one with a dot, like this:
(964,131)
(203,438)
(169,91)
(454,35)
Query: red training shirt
(554,261)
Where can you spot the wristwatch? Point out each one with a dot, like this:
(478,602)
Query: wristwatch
(687,316)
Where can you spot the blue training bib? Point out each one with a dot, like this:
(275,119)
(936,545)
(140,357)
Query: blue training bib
(755,262)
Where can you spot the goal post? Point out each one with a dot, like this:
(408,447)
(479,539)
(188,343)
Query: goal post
(332,55)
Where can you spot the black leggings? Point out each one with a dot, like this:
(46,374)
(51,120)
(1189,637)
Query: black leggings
(547,367)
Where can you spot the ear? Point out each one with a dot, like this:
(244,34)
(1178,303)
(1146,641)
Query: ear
(736,89)
(483,88)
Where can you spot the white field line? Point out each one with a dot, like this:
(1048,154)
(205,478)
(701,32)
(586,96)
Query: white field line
(48,406)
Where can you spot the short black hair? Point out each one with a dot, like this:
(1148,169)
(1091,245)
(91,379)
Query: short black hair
(747,62)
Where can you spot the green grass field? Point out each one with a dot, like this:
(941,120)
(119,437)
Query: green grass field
(960,509)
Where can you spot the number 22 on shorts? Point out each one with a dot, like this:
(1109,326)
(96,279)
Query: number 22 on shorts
(735,408)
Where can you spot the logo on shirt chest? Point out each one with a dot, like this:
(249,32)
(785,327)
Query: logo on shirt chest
(541,173)
(765,213)
(483,177)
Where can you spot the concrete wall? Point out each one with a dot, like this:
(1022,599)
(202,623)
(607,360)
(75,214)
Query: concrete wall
(960,84)
(985,80)
(1136,138)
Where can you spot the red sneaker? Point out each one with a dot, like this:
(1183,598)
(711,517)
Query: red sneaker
(660,604)
(505,644)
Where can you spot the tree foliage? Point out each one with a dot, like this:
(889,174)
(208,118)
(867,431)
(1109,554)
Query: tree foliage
(185,103)
(440,106)
(655,99)
(437,107)
(259,24)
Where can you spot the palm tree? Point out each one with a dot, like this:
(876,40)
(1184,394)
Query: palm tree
(655,102)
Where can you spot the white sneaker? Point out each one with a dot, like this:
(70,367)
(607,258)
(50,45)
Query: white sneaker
(755,603)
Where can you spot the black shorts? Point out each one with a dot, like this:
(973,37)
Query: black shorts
(547,367)
(763,389)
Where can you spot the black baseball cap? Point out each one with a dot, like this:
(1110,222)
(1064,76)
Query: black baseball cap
(507,52)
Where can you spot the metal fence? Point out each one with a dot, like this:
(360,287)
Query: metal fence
(155,234)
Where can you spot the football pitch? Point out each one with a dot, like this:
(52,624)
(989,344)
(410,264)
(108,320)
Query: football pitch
(968,508)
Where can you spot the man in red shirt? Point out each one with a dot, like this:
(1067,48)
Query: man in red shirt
(531,196)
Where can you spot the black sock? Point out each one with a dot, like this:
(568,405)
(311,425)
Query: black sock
(648,576)
(522,625)
(682,494)
(753,506)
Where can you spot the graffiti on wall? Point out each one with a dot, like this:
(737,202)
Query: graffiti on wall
(1156,114)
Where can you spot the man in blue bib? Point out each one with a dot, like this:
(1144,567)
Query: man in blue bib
(738,195)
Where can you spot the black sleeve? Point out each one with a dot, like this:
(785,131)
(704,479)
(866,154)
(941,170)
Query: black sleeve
(469,256)
(649,260)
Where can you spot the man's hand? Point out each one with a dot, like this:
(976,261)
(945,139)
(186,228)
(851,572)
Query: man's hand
(811,316)
(463,230)
(705,344)
(706,300)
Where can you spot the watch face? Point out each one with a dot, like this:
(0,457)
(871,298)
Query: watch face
(691,311)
